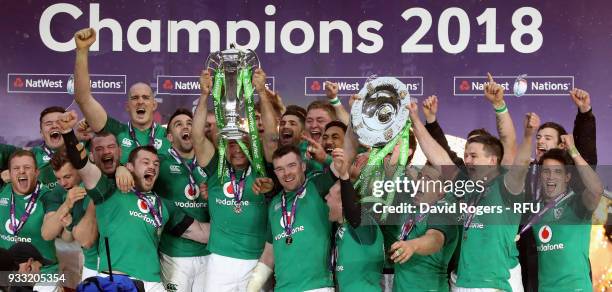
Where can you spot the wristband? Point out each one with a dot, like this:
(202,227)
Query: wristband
(573,152)
(75,150)
(501,110)
(335,101)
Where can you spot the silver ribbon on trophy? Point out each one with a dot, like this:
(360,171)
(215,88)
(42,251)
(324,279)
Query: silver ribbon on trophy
(231,63)
(380,113)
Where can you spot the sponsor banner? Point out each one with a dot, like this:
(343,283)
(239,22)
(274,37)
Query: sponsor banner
(63,83)
(536,85)
(189,85)
(315,85)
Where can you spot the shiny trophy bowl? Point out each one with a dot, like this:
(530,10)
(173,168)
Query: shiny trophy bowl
(231,61)
(380,113)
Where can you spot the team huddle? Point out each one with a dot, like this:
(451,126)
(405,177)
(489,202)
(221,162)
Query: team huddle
(168,207)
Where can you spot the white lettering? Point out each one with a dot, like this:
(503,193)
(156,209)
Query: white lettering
(154,27)
(44,26)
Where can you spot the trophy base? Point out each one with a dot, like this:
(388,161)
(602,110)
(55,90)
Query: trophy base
(233,133)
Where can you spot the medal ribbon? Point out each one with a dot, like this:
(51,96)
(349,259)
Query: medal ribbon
(244,83)
(157,213)
(237,186)
(217,105)
(409,224)
(537,217)
(189,166)
(474,202)
(28,210)
(288,220)
(151,134)
(47,149)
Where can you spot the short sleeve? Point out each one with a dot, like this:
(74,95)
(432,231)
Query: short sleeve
(211,168)
(175,214)
(114,127)
(5,153)
(323,182)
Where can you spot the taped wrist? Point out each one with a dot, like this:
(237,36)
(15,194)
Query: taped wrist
(74,150)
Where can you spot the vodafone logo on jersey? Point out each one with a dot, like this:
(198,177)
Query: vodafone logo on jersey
(7,226)
(192,192)
(545,234)
(282,222)
(142,206)
(228,190)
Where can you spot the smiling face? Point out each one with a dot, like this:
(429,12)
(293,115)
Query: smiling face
(478,162)
(290,130)
(180,133)
(236,156)
(50,131)
(546,139)
(23,173)
(106,153)
(144,169)
(554,177)
(290,169)
(67,176)
(332,139)
(316,119)
(141,105)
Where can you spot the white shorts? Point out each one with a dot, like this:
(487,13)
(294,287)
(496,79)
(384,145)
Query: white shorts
(183,274)
(47,287)
(89,273)
(326,289)
(228,274)
(516,282)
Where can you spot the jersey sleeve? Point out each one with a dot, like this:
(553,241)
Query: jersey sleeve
(582,212)
(445,224)
(103,190)
(176,216)
(323,182)
(52,200)
(114,127)
(365,234)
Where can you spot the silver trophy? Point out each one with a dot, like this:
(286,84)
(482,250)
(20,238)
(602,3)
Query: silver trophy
(380,113)
(231,61)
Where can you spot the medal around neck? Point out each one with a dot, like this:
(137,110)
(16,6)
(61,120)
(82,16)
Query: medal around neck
(232,63)
(520,85)
(380,113)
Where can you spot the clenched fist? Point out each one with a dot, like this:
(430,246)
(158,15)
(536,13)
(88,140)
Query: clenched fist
(84,38)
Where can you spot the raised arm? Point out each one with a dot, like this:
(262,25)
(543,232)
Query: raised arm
(584,126)
(494,93)
(594,188)
(434,153)
(351,207)
(515,177)
(331,90)
(268,117)
(204,149)
(90,174)
(94,112)
(430,109)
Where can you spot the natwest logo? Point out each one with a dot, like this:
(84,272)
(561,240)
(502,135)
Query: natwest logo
(532,85)
(62,83)
(189,85)
(315,85)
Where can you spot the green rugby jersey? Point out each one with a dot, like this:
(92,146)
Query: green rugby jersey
(45,175)
(173,185)
(47,201)
(562,241)
(303,264)
(490,236)
(129,226)
(77,213)
(5,153)
(237,235)
(430,272)
(127,144)
(360,256)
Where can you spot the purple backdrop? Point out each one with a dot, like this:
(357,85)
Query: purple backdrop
(577,41)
